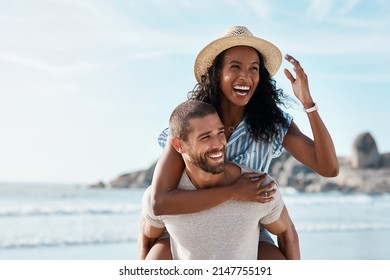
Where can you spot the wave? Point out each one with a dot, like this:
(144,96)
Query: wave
(115,238)
(46,242)
(335,227)
(42,210)
(313,199)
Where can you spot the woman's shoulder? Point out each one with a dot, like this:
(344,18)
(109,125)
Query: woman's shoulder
(288,117)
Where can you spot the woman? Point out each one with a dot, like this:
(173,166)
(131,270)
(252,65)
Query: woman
(234,75)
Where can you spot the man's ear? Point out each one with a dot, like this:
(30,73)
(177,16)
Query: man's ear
(177,143)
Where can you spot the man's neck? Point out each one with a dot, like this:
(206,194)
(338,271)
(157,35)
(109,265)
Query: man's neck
(202,180)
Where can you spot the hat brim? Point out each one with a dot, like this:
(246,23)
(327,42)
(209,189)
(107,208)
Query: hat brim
(271,54)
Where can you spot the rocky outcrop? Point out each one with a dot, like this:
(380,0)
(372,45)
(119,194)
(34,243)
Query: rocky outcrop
(350,179)
(365,152)
(138,179)
(366,170)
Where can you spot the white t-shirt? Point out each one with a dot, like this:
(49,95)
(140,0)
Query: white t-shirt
(228,231)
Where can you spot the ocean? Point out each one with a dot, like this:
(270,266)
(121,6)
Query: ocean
(74,222)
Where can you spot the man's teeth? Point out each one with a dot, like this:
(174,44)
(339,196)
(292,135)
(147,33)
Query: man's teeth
(216,155)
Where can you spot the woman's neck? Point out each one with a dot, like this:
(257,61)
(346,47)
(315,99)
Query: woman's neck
(231,115)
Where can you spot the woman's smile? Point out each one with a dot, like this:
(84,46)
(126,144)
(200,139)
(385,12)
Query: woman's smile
(241,90)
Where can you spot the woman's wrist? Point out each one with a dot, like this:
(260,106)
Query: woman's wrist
(228,192)
(308,104)
(313,108)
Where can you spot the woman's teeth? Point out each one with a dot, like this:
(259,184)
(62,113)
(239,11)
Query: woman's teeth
(241,90)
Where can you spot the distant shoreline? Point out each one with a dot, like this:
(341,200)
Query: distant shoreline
(289,172)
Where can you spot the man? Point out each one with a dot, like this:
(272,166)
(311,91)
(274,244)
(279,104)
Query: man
(229,230)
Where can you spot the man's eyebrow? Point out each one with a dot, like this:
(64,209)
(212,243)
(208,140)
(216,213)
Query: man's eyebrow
(204,134)
(222,128)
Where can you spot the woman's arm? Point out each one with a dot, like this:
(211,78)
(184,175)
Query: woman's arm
(168,200)
(318,154)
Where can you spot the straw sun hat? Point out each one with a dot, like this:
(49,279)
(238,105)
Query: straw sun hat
(233,37)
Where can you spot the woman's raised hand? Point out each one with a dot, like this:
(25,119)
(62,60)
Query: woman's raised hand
(300,83)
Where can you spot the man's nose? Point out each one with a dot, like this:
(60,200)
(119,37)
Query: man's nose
(218,142)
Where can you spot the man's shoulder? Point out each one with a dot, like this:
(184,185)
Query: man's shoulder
(185,183)
(245,169)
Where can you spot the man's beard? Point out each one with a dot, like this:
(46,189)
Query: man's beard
(201,161)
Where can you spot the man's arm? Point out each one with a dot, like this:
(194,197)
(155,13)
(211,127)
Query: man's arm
(147,237)
(288,240)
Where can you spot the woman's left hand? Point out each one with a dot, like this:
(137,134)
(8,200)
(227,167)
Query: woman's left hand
(299,84)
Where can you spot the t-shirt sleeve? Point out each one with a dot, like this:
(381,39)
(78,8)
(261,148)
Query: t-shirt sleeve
(274,210)
(147,211)
(282,131)
(163,138)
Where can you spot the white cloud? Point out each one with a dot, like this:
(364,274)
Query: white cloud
(348,5)
(352,45)
(371,76)
(76,68)
(146,54)
(262,9)
(319,9)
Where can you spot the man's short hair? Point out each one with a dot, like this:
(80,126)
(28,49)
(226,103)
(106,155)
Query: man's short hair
(183,113)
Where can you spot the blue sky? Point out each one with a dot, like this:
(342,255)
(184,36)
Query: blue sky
(86,86)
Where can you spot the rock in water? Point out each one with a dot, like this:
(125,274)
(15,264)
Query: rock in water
(365,152)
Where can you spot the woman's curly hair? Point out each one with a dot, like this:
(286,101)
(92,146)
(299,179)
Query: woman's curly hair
(262,111)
